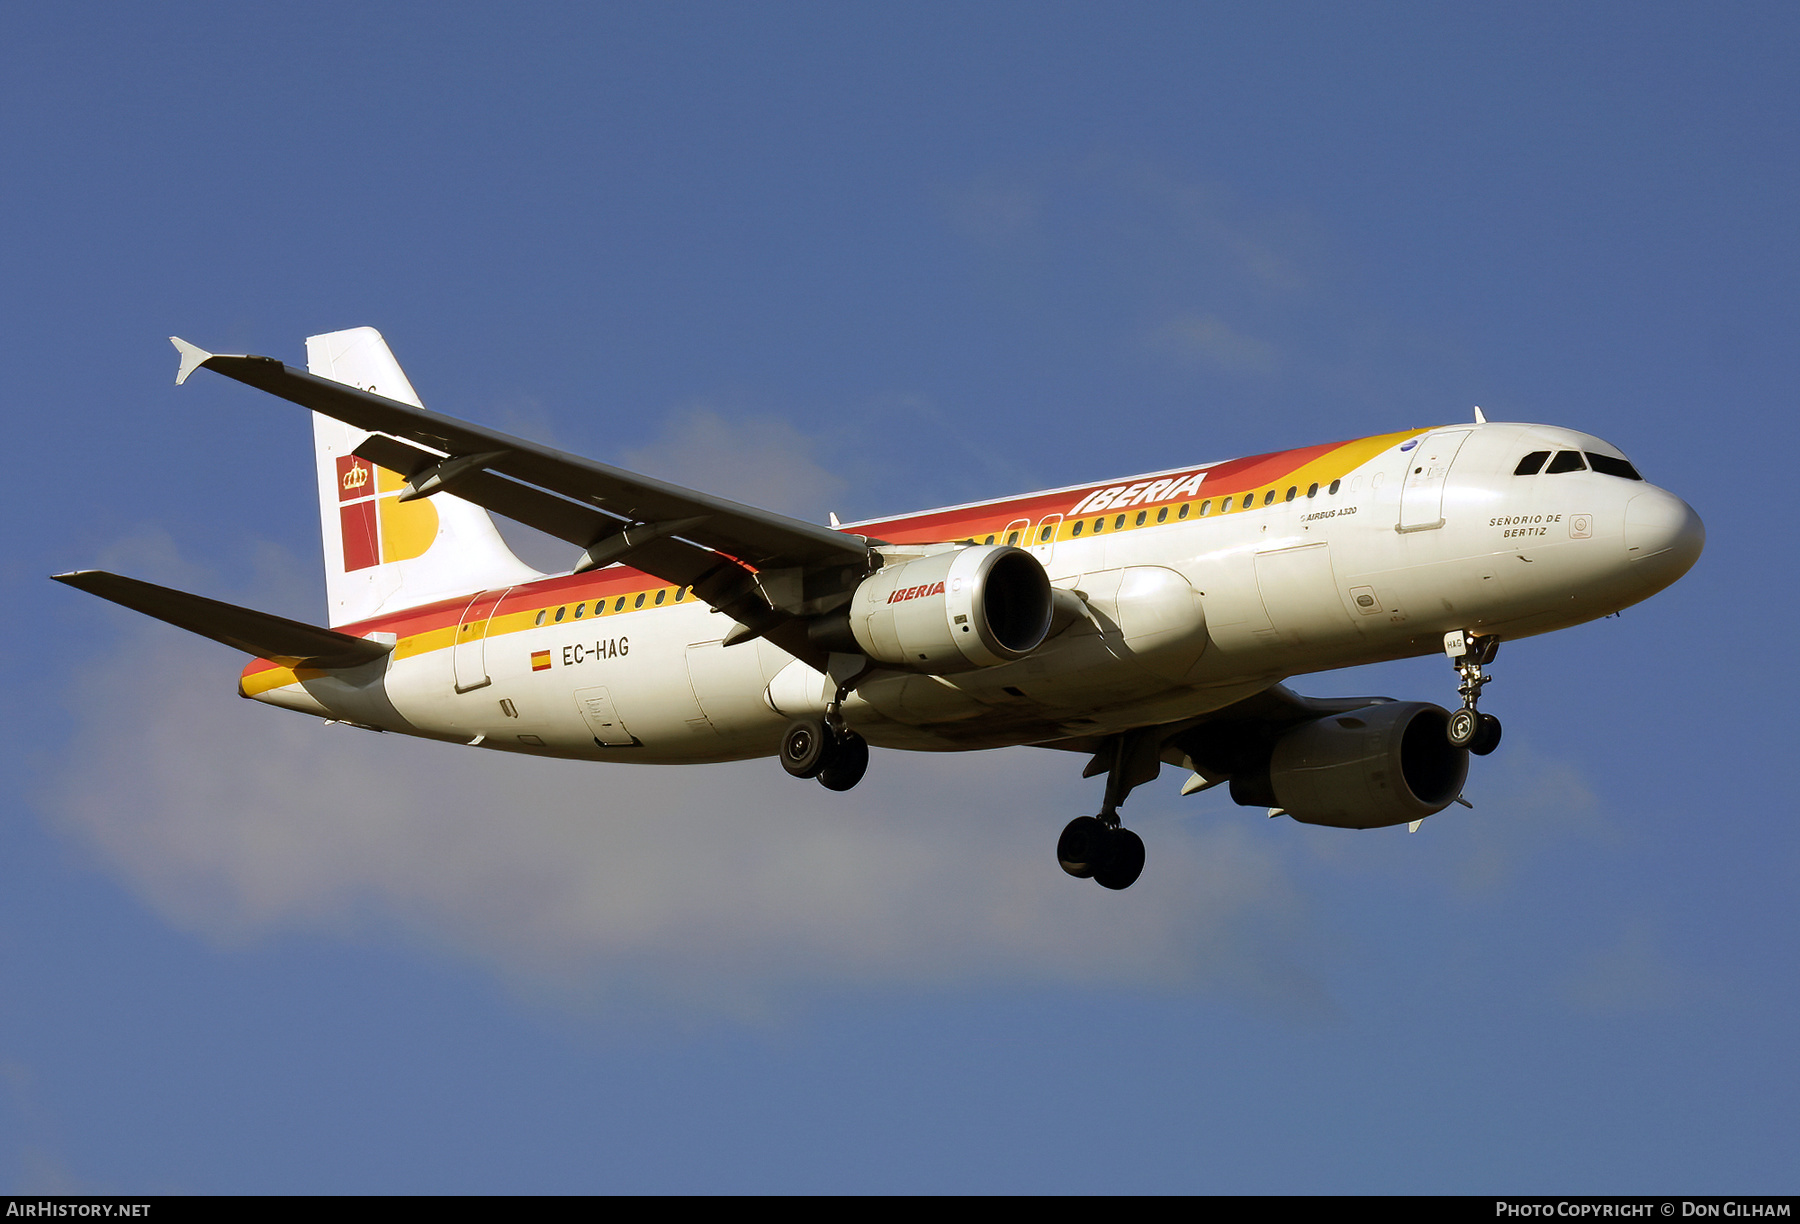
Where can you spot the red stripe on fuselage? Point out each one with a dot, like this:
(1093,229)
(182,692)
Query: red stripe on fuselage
(931,526)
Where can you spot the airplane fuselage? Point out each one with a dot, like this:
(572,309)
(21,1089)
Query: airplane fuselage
(1183,591)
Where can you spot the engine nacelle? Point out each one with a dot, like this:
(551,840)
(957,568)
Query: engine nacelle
(1381,765)
(953,611)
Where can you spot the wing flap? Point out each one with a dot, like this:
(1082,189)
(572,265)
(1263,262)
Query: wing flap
(290,643)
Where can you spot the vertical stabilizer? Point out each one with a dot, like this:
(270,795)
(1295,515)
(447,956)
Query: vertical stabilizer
(382,554)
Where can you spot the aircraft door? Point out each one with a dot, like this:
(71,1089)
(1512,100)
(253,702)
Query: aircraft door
(469,654)
(1422,488)
(1043,539)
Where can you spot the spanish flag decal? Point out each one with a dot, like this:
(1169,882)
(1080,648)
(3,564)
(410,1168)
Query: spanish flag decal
(540,660)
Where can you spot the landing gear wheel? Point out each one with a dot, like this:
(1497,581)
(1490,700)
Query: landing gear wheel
(1082,844)
(849,761)
(1462,727)
(1123,860)
(1487,735)
(806,747)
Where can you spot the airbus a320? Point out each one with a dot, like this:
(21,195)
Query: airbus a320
(1142,622)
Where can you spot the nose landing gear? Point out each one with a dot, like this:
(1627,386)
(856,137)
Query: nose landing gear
(1468,727)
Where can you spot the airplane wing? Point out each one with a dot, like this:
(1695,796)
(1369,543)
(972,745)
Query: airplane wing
(651,548)
(650,507)
(290,643)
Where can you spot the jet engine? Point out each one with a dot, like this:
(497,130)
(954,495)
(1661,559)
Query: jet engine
(1380,765)
(952,611)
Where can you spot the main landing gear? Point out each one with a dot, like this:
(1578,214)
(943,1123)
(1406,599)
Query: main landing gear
(1112,856)
(1468,727)
(824,748)
(1098,847)
(815,748)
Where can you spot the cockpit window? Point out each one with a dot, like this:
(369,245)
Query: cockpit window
(1566,461)
(1531,464)
(1606,465)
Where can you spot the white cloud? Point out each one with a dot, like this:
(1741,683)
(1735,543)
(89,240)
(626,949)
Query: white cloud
(1209,339)
(1631,974)
(761,461)
(729,885)
(990,209)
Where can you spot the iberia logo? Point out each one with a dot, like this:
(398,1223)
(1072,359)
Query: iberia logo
(378,528)
(918,592)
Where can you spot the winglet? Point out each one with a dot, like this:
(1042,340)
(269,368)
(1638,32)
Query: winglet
(192,358)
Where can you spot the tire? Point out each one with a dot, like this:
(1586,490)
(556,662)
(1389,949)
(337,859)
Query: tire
(1082,842)
(1461,727)
(1487,735)
(806,747)
(849,761)
(1123,861)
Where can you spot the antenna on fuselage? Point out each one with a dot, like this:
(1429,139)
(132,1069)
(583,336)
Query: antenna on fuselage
(1480,419)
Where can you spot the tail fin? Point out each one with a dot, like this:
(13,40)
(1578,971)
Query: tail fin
(382,554)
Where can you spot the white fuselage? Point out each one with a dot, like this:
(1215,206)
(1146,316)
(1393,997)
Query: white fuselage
(1433,533)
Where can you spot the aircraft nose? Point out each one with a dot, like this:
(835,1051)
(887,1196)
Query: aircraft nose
(1663,532)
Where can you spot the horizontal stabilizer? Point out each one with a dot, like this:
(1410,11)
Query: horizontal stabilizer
(290,643)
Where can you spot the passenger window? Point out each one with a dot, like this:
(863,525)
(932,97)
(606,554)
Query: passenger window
(1269,497)
(989,540)
(1606,465)
(1162,516)
(1045,534)
(1334,487)
(680,594)
(639,603)
(1314,490)
(1205,506)
(1012,537)
(579,609)
(1183,512)
(659,596)
(1099,524)
(1076,529)
(559,613)
(1531,464)
(1142,514)
(617,607)
(1566,461)
(1249,500)
(1119,523)
(1290,493)
(542,612)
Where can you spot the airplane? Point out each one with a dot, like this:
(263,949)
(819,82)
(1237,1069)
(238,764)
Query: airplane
(1142,622)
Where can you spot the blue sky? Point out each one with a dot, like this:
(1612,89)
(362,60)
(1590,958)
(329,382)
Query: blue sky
(867,259)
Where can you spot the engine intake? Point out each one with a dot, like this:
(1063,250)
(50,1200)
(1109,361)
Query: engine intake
(953,611)
(1381,765)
